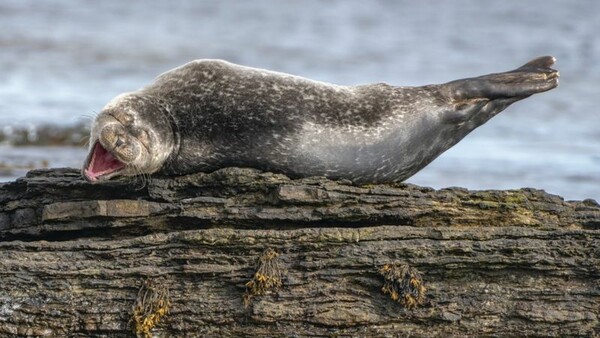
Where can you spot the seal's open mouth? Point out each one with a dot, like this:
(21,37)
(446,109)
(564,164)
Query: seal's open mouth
(101,163)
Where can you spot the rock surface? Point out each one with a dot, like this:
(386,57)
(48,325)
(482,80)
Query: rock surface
(73,257)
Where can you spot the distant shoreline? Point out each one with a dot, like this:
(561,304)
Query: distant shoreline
(44,135)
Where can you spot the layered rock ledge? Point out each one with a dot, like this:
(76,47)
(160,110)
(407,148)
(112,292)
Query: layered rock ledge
(75,258)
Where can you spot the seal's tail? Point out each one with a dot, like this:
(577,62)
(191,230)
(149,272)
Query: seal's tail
(535,76)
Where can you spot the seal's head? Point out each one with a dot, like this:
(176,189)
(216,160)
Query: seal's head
(132,135)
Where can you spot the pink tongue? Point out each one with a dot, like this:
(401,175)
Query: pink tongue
(102,162)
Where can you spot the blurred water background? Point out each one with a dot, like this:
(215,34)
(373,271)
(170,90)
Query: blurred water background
(61,61)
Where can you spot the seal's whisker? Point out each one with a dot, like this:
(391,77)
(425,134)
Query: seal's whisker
(136,175)
(85,141)
(89,117)
(139,177)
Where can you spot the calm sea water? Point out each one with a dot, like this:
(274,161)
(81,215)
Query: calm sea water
(61,61)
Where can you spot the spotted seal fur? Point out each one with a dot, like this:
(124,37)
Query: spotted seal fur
(210,114)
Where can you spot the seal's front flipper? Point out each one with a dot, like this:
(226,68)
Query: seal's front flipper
(536,76)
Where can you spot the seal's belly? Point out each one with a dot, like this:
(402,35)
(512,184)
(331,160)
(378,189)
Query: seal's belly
(383,153)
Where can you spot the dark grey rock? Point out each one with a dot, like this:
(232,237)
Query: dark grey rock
(505,263)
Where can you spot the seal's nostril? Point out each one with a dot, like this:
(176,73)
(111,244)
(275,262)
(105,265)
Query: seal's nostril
(119,142)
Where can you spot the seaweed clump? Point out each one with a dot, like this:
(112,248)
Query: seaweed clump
(404,284)
(151,305)
(267,276)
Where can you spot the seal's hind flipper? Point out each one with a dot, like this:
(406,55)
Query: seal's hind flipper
(536,76)
(480,98)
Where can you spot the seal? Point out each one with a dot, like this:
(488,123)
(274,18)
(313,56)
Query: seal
(210,114)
